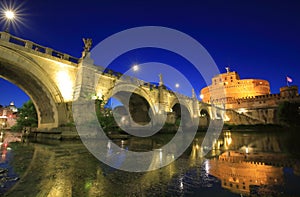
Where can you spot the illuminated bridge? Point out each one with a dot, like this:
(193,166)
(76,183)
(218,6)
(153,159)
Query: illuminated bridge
(53,80)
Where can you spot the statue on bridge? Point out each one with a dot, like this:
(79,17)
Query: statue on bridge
(87,46)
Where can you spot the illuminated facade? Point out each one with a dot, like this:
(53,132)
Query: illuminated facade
(8,116)
(228,86)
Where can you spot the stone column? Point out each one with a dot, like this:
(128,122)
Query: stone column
(85,79)
(84,112)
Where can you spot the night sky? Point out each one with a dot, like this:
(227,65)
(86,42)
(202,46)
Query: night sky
(258,39)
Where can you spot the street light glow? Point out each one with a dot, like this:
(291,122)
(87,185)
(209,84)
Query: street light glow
(135,67)
(177,85)
(9,14)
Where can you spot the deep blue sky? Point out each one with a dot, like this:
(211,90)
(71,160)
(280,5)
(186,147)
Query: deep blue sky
(258,39)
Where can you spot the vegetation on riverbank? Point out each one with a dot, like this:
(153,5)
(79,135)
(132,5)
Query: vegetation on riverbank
(27,117)
(289,114)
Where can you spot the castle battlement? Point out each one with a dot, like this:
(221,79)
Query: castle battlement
(250,97)
(229,86)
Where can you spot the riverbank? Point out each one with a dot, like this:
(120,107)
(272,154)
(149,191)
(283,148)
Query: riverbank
(70,133)
(256,127)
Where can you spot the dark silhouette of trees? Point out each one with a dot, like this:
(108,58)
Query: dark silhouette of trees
(289,113)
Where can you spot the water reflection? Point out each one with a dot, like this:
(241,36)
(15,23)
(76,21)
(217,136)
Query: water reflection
(237,172)
(7,175)
(239,163)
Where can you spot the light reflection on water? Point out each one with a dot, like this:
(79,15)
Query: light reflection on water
(252,164)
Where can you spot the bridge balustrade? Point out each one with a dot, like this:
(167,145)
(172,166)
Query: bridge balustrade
(36,47)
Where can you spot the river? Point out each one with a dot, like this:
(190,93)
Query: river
(240,164)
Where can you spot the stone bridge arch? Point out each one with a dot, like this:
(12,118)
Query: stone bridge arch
(21,70)
(183,111)
(205,115)
(141,105)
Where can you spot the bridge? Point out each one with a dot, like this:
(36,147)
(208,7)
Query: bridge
(54,80)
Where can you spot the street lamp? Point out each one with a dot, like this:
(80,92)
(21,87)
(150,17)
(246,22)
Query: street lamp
(9,15)
(177,85)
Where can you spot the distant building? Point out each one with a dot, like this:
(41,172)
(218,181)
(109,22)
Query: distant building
(8,116)
(229,86)
(250,97)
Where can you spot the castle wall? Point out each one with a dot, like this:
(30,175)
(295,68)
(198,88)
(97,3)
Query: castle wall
(229,85)
(263,107)
(250,99)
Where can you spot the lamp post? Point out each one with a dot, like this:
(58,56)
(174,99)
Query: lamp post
(9,15)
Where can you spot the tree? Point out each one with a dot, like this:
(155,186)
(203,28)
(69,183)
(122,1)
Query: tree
(27,116)
(289,113)
(105,116)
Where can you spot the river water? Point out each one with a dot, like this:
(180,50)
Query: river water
(240,164)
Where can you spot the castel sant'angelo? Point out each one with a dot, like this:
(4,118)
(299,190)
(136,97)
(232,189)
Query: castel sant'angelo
(248,96)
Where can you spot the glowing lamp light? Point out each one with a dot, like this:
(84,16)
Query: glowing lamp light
(229,140)
(135,67)
(177,85)
(9,14)
(242,110)
(65,85)
(201,96)
(99,94)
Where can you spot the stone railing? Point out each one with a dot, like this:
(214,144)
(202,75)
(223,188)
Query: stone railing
(4,36)
(138,82)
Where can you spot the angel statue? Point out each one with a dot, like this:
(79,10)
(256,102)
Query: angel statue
(87,46)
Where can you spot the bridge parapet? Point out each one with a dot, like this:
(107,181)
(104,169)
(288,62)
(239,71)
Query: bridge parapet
(39,49)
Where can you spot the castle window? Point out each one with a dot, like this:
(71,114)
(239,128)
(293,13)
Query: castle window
(225,78)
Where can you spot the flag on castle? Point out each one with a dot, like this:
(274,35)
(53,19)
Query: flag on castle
(288,79)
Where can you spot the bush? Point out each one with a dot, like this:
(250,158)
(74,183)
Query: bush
(289,113)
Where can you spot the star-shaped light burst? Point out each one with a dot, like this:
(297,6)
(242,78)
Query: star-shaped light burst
(10,15)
